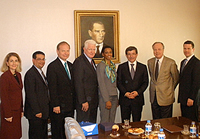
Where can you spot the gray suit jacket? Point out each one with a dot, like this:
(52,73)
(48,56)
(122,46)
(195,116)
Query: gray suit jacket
(166,82)
(106,87)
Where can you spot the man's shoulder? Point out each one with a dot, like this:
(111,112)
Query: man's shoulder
(79,59)
(140,64)
(169,59)
(53,63)
(151,60)
(123,64)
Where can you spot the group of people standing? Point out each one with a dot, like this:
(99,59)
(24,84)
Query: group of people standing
(84,86)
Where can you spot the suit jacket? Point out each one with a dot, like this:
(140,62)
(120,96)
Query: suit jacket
(11,94)
(166,82)
(189,82)
(85,82)
(11,105)
(36,95)
(126,84)
(106,87)
(61,88)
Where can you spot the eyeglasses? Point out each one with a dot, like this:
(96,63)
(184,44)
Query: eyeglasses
(40,59)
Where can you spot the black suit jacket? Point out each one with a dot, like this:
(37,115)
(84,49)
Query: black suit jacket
(189,81)
(36,95)
(60,86)
(85,82)
(126,84)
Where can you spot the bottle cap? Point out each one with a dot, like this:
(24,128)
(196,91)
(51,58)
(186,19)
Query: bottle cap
(148,121)
(161,130)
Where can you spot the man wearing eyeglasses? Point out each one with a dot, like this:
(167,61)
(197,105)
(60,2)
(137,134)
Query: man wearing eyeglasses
(36,98)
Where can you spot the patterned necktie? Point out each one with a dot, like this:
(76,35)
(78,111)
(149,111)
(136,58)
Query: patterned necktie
(184,63)
(157,70)
(68,74)
(132,71)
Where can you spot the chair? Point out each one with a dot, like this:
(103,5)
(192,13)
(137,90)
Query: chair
(73,129)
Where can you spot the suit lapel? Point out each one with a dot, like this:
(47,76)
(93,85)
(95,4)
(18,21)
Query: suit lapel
(188,64)
(163,65)
(14,80)
(128,71)
(39,75)
(88,63)
(62,68)
(153,68)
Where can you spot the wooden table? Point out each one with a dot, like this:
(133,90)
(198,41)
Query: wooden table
(178,121)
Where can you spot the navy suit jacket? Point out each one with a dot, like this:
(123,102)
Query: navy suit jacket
(189,81)
(126,84)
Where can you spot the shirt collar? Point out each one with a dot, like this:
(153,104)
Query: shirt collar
(188,58)
(63,62)
(89,59)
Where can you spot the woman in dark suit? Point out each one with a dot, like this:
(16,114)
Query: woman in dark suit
(108,96)
(11,97)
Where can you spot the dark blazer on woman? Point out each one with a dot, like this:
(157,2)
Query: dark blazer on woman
(11,105)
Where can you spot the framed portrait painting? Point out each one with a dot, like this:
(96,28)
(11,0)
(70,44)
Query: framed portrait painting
(102,27)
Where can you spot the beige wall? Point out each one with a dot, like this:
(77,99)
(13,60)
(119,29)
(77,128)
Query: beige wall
(29,25)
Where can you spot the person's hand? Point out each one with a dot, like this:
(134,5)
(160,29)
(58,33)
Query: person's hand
(129,95)
(190,102)
(134,94)
(9,119)
(22,114)
(39,115)
(85,106)
(108,105)
(56,109)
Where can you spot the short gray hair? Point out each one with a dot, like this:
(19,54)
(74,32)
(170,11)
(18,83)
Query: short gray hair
(87,42)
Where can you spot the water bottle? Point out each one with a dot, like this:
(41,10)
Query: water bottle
(193,130)
(161,134)
(148,128)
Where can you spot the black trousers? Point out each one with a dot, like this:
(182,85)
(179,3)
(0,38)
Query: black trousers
(89,116)
(57,123)
(190,112)
(135,110)
(38,128)
(159,112)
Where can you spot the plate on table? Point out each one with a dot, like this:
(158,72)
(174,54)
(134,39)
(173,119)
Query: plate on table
(135,131)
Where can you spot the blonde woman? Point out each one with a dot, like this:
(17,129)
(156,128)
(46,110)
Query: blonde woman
(11,97)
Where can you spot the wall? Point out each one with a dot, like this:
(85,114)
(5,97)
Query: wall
(30,25)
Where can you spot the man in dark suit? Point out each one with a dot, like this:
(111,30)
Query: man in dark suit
(189,82)
(61,89)
(86,85)
(132,81)
(36,98)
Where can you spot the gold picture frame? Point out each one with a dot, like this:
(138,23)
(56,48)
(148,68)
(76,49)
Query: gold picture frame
(84,19)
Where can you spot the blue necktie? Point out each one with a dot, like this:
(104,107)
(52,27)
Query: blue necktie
(184,63)
(67,70)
